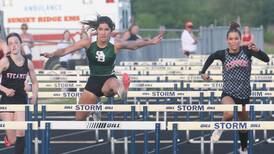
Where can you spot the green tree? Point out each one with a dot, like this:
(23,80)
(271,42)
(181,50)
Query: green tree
(172,13)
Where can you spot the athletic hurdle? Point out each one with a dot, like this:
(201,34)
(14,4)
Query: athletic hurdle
(186,72)
(177,70)
(210,125)
(150,77)
(166,107)
(182,67)
(106,125)
(263,107)
(137,108)
(28,125)
(156,94)
(171,126)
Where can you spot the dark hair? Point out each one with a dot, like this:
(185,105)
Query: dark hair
(234,28)
(131,27)
(14,35)
(100,20)
(24,25)
(66,31)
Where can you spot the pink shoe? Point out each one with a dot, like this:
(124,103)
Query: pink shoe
(6,142)
(122,91)
(126,81)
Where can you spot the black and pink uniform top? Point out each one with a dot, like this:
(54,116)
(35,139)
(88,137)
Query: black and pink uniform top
(236,70)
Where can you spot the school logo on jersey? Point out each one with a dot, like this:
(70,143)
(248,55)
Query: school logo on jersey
(100,56)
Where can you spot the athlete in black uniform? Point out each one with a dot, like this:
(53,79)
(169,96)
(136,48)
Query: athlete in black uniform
(101,55)
(236,77)
(14,69)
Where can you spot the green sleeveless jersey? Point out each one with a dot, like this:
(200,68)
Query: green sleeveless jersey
(101,60)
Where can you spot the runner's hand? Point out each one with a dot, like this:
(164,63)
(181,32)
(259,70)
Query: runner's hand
(47,55)
(206,77)
(253,47)
(9,92)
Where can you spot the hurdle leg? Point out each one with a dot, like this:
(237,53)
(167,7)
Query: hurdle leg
(43,147)
(145,118)
(201,114)
(36,140)
(251,137)
(202,144)
(126,145)
(157,116)
(96,117)
(235,132)
(29,139)
(175,138)
(133,132)
(110,118)
(46,139)
(211,147)
(265,135)
(125,133)
(187,119)
(112,145)
(157,138)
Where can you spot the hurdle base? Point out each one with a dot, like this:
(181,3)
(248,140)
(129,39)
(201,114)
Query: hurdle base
(270,140)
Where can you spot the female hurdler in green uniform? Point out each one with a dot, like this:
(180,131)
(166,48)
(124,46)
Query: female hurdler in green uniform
(101,55)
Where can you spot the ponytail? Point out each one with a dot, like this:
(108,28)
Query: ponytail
(234,27)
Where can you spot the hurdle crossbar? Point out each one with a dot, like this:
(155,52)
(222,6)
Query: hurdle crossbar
(18,107)
(149,125)
(260,107)
(17,125)
(132,85)
(219,85)
(185,67)
(57,72)
(224,125)
(166,77)
(154,94)
(102,125)
(139,108)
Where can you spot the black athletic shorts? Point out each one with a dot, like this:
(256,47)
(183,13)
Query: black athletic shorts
(236,100)
(95,84)
(17,99)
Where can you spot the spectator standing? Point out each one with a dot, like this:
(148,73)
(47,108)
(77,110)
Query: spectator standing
(247,37)
(189,41)
(67,41)
(132,33)
(27,41)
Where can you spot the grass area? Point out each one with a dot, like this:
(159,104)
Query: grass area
(269,48)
